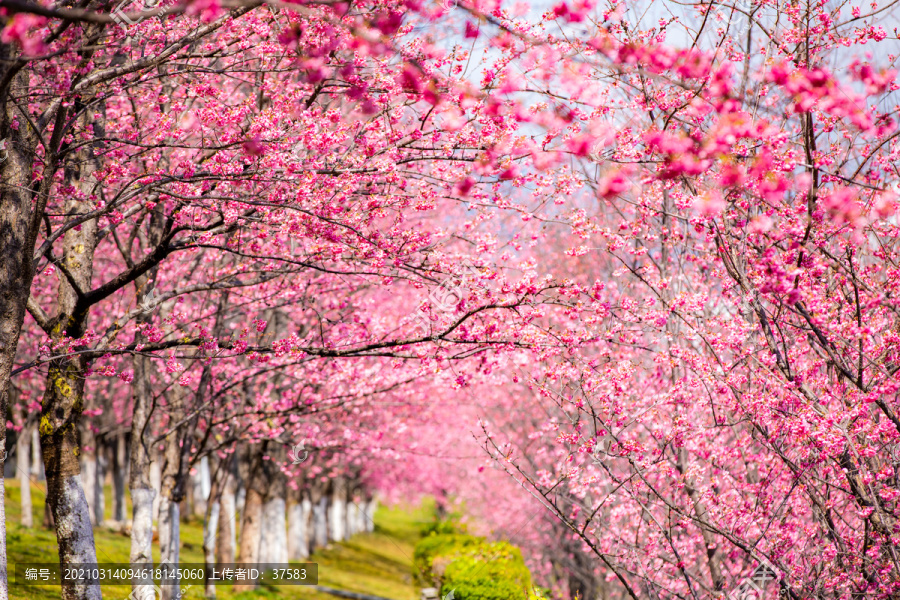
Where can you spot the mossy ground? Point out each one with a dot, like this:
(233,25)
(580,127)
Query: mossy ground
(378,563)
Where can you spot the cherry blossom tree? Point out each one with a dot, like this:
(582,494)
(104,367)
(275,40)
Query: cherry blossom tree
(728,408)
(209,149)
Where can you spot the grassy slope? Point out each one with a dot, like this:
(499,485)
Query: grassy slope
(378,563)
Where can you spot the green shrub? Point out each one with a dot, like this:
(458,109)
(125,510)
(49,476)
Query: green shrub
(488,572)
(436,545)
(472,568)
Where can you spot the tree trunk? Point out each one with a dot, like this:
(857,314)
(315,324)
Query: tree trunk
(225,540)
(174,485)
(100,493)
(273,546)
(119,468)
(63,401)
(210,527)
(61,409)
(361,524)
(298,529)
(251,530)
(89,470)
(20,218)
(200,484)
(156,483)
(350,519)
(4,589)
(89,481)
(371,505)
(169,546)
(23,455)
(48,522)
(169,542)
(251,523)
(73,527)
(37,465)
(319,518)
(185,505)
(354,511)
(337,510)
(143,493)
(307,507)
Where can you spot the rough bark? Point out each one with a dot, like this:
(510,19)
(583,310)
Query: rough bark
(251,531)
(225,540)
(143,488)
(60,412)
(20,211)
(48,522)
(143,493)
(4,588)
(251,523)
(63,401)
(73,531)
(174,485)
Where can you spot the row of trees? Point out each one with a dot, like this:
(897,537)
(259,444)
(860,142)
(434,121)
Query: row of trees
(279,520)
(650,248)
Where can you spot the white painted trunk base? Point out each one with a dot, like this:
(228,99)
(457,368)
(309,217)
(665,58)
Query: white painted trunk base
(320,523)
(202,483)
(156,483)
(73,522)
(298,531)
(210,527)
(142,501)
(361,517)
(351,519)
(169,543)
(89,478)
(337,520)
(37,463)
(273,538)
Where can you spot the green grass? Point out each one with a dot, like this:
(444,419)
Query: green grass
(378,563)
